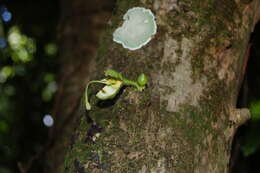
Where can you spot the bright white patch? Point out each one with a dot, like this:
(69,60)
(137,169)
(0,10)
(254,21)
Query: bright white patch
(106,92)
(109,91)
(48,120)
(138,27)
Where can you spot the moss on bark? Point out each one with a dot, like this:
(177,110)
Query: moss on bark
(178,123)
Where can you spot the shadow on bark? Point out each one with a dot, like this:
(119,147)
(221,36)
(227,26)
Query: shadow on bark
(245,150)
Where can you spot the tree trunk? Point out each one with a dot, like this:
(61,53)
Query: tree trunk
(185,120)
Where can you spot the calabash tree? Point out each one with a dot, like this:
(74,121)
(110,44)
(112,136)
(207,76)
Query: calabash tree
(185,118)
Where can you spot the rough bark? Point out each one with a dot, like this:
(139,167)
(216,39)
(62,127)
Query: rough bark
(185,120)
(81,25)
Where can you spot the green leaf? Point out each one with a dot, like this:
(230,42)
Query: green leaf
(255,110)
(113,74)
(142,79)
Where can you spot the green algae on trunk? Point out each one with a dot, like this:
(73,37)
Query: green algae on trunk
(181,122)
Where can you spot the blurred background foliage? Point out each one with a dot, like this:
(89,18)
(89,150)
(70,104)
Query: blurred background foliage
(28,82)
(246,145)
(28,66)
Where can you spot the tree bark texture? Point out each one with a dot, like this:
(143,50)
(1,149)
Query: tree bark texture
(81,25)
(185,120)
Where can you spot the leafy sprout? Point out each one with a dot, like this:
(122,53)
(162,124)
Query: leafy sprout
(113,83)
